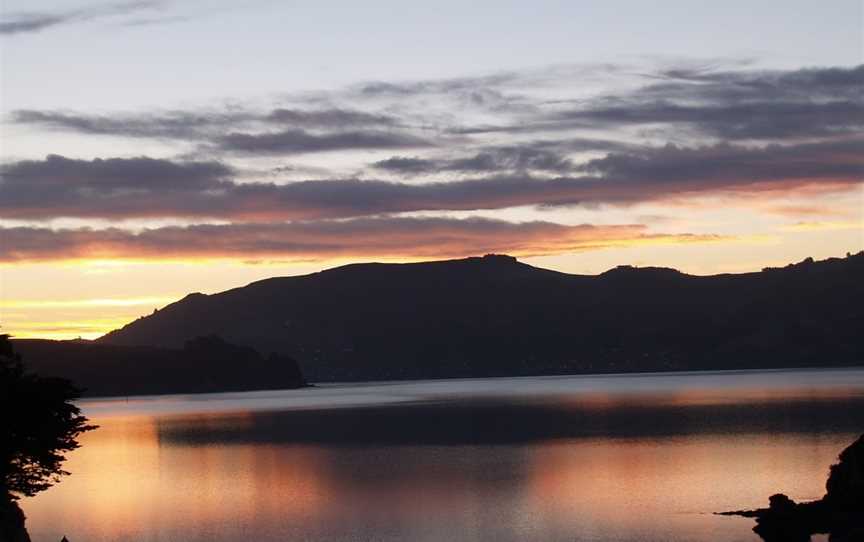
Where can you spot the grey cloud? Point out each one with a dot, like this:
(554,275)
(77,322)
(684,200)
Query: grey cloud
(705,104)
(188,124)
(407,165)
(512,158)
(801,103)
(726,166)
(170,125)
(486,87)
(150,21)
(111,187)
(471,93)
(342,128)
(762,105)
(490,160)
(330,118)
(437,86)
(548,156)
(21,23)
(140,173)
(747,121)
(31,22)
(119,189)
(807,84)
(301,141)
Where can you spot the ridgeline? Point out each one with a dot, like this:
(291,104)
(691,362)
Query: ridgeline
(495,316)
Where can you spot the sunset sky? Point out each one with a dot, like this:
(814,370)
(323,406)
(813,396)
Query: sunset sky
(151,149)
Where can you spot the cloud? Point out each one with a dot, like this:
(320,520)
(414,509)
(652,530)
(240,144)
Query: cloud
(115,187)
(181,125)
(694,104)
(413,107)
(772,138)
(809,209)
(378,237)
(301,141)
(524,158)
(150,21)
(31,22)
(547,156)
(768,120)
(491,91)
(439,86)
(286,131)
(195,124)
(22,23)
(725,166)
(739,105)
(330,118)
(144,187)
(408,165)
(805,84)
(824,226)
(114,176)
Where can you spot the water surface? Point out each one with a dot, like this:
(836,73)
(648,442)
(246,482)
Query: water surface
(594,458)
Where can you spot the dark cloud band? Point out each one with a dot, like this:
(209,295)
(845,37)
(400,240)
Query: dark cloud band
(383,237)
(144,187)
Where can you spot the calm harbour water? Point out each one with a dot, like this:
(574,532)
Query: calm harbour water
(593,458)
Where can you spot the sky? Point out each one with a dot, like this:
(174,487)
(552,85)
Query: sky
(149,149)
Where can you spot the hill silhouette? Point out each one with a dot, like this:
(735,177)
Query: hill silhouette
(203,364)
(494,315)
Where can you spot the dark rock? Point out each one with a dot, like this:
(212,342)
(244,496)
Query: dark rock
(844,500)
(781,521)
(839,513)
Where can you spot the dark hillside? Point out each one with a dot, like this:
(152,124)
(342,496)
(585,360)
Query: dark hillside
(497,316)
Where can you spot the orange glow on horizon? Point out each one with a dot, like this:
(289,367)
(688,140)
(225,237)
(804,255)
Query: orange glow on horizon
(36,300)
(64,330)
(824,226)
(401,251)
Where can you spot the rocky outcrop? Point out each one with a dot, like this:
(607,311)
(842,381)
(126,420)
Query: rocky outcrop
(840,513)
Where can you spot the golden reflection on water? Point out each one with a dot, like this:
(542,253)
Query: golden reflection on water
(124,482)
(625,484)
(692,397)
(136,479)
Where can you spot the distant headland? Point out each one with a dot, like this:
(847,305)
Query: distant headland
(202,364)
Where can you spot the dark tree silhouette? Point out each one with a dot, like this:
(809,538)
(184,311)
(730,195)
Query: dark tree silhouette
(38,424)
